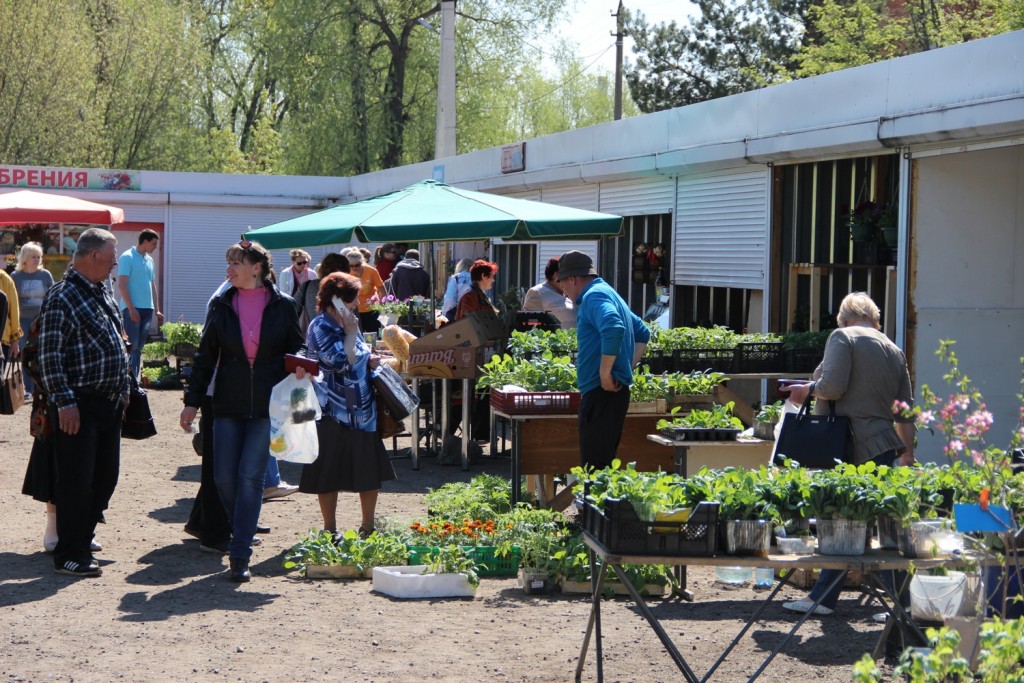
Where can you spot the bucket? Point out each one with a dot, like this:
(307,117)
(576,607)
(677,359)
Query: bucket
(934,598)
(841,536)
(748,537)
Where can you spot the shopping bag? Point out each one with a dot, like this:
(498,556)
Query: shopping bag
(137,422)
(387,425)
(400,400)
(294,410)
(12,394)
(815,441)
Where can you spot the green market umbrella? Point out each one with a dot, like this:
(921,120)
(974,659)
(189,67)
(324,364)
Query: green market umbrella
(433,211)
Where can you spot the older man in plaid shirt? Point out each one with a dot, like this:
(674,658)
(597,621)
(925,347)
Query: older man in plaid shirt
(85,372)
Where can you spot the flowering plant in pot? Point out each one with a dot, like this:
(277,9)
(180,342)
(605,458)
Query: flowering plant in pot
(863,221)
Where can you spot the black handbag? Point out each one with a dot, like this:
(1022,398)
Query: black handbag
(138,420)
(815,441)
(400,400)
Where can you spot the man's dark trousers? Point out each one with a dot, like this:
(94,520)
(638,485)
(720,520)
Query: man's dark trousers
(602,414)
(87,470)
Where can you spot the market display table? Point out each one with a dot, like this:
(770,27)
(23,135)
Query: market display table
(869,565)
(689,457)
(441,405)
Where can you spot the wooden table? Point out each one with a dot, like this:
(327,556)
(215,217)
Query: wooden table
(549,444)
(870,564)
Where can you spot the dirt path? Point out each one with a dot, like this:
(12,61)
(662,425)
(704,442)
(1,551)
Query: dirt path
(163,610)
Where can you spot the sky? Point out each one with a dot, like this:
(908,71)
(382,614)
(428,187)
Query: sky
(590,26)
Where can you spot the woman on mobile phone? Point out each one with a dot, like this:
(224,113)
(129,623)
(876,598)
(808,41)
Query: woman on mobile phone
(352,455)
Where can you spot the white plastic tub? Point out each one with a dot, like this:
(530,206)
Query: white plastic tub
(412,582)
(934,598)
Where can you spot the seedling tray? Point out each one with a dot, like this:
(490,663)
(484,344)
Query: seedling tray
(489,563)
(536,402)
(699,434)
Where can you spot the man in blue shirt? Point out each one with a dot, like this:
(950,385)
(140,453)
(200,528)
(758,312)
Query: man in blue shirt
(611,340)
(136,281)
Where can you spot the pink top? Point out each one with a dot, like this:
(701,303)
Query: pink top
(249,305)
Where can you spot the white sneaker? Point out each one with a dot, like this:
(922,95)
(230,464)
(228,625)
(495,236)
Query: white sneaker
(280,491)
(804,606)
(880,618)
(94,546)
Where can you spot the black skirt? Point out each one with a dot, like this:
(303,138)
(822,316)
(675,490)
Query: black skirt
(41,473)
(349,460)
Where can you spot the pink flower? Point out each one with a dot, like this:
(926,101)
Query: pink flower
(978,457)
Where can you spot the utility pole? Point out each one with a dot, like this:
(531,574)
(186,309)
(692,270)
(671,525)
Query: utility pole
(444,128)
(619,33)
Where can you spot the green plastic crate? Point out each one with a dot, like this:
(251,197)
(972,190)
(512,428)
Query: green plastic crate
(488,562)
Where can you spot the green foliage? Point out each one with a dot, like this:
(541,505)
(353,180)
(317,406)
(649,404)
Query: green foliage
(545,373)
(321,547)
(718,417)
(484,497)
(812,341)
(745,495)
(770,413)
(536,342)
(162,376)
(452,559)
(156,351)
(184,333)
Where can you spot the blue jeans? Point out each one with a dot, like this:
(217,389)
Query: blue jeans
(273,477)
(827,576)
(241,449)
(137,333)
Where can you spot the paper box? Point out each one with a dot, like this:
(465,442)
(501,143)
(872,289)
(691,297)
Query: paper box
(457,350)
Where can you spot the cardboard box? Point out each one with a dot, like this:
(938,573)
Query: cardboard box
(457,350)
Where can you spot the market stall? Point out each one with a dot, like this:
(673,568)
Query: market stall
(431,211)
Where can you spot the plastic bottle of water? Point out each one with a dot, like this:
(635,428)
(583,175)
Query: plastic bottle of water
(733,575)
(764,577)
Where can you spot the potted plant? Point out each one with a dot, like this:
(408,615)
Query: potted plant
(747,509)
(389,309)
(766,419)
(843,501)
(888,223)
(183,337)
(716,424)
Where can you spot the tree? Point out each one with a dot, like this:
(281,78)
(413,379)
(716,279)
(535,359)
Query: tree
(734,46)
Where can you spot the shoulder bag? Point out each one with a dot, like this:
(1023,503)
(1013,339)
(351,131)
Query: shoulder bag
(12,395)
(396,395)
(137,422)
(815,441)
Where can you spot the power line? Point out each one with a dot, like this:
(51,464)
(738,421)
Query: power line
(558,87)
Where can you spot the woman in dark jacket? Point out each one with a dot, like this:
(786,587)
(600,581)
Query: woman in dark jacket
(248,331)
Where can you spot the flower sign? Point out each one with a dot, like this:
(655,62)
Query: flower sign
(389,305)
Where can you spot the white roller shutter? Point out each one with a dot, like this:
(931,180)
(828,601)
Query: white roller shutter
(196,241)
(721,230)
(637,197)
(549,249)
(576,197)
(146,213)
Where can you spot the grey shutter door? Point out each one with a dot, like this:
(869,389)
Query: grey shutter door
(721,230)
(576,197)
(637,197)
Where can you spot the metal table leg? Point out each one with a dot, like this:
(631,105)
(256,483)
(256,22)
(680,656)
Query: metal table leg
(415,431)
(467,397)
(594,623)
(446,406)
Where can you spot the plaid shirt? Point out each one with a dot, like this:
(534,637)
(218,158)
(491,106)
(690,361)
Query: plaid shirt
(81,344)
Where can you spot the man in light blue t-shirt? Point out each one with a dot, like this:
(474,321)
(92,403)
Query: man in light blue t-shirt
(136,281)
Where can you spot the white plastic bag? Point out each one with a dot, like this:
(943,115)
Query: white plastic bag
(294,410)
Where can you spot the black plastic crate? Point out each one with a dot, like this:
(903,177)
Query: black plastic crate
(802,360)
(714,360)
(759,357)
(655,359)
(618,529)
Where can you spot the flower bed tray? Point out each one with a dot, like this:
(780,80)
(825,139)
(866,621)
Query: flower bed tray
(699,434)
(715,360)
(759,357)
(334,571)
(618,529)
(489,563)
(536,402)
(411,582)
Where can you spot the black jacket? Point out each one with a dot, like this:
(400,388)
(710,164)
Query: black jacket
(408,279)
(241,390)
